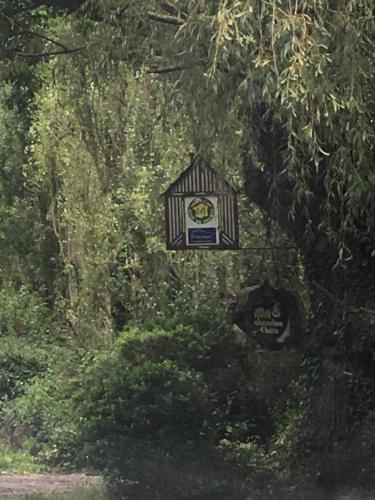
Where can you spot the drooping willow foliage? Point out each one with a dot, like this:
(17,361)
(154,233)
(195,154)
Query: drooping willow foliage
(308,64)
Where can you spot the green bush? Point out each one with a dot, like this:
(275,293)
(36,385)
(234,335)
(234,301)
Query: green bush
(155,408)
(42,419)
(158,400)
(17,462)
(42,422)
(23,313)
(19,362)
(166,414)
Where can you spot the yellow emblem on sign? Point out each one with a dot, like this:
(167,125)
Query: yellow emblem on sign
(201,210)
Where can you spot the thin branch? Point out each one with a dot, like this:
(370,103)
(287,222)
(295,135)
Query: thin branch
(267,248)
(47,39)
(171,9)
(171,20)
(29,55)
(26,30)
(170,69)
(341,303)
(364,310)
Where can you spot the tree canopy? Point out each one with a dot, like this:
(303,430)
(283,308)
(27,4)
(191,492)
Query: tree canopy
(101,103)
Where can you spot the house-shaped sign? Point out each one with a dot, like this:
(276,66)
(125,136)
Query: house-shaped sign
(201,210)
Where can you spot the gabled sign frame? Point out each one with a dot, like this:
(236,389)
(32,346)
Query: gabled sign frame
(201,210)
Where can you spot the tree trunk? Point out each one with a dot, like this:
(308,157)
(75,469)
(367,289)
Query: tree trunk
(340,334)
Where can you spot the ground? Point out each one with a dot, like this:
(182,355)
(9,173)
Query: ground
(15,485)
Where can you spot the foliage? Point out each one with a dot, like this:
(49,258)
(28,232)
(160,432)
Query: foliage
(23,313)
(42,419)
(158,407)
(17,462)
(279,97)
(296,75)
(42,424)
(19,363)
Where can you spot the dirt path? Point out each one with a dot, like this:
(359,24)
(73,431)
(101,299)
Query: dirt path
(15,485)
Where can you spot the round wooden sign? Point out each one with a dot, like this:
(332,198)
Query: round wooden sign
(269,315)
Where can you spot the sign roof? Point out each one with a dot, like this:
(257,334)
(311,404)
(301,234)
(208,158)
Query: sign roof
(199,177)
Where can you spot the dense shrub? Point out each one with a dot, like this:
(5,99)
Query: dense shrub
(23,313)
(42,422)
(177,414)
(24,323)
(168,414)
(42,419)
(19,362)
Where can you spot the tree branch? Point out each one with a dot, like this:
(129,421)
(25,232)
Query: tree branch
(171,9)
(170,69)
(171,20)
(29,55)
(341,303)
(47,39)
(26,30)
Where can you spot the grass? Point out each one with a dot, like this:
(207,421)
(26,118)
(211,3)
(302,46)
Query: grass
(78,494)
(18,462)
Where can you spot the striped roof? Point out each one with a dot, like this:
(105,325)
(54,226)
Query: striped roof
(199,177)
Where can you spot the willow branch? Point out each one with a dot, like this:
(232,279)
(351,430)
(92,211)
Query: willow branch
(169,69)
(31,55)
(171,9)
(47,39)
(171,20)
(341,303)
(26,30)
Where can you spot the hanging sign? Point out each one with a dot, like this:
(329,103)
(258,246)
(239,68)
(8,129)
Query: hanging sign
(201,210)
(271,316)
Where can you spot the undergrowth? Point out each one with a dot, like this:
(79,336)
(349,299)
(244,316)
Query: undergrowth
(18,462)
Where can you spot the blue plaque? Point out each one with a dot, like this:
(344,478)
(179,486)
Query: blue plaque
(202,236)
